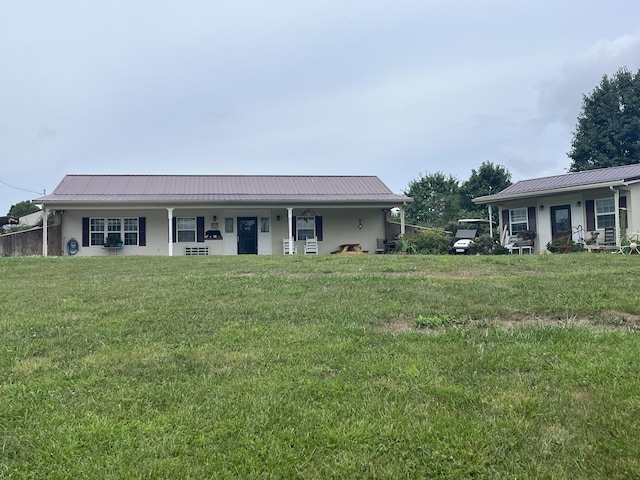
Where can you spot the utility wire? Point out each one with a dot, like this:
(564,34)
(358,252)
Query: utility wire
(18,188)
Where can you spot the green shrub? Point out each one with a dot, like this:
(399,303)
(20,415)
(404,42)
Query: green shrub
(483,245)
(429,242)
(499,250)
(564,245)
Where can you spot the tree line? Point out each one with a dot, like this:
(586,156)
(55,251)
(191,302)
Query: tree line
(440,200)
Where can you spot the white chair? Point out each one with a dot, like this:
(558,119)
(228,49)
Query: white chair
(511,244)
(288,248)
(311,246)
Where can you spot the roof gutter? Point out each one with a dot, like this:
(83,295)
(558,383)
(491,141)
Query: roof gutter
(132,204)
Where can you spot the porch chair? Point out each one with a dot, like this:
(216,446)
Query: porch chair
(311,246)
(512,244)
(288,248)
(609,237)
(380,246)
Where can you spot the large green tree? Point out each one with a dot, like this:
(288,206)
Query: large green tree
(487,180)
(608,129)
(436,200)
(22,208)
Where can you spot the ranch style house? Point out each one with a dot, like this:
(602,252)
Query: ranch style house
(597,207)
(221,214)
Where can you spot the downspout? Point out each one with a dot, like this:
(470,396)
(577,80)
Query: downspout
(45,232)
(290,218)
(170,219)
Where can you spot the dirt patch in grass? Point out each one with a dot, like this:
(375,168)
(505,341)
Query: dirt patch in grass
(610,320)
(398,325)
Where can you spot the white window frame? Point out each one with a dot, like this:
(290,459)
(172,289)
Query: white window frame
(605,212)
(97,233)
(518,220)
(305,227)
(186,229)
(131,227)
(126,227)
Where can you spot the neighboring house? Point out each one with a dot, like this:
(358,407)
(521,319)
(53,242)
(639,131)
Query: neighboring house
(580,205)
(31,219)
(219,215)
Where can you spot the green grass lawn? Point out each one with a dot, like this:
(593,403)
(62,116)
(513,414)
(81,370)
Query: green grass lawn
(320,367)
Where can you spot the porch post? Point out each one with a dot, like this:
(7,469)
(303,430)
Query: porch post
(402,228)
(290,217)
(616,203)
(490,222)
(170,219)
(45,232)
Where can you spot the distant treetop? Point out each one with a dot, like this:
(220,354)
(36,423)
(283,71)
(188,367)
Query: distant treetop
(608,129)
(22,208)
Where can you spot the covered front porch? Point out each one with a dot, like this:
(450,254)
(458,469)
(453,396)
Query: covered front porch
(596,220)
(225,229)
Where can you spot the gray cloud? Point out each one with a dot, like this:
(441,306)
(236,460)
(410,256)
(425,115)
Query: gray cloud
(319,87)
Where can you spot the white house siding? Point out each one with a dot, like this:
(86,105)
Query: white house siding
(578,211)
(340,225)
(156,231)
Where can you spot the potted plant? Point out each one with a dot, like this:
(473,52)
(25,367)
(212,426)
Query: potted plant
(527,235)
(113,241)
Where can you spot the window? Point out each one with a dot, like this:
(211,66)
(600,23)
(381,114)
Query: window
(186,229)
(97,231)
(100,228)
(130,231)
(264,224)
(228,225)
(605,213)
(518,217)
(305,227)
(114,225)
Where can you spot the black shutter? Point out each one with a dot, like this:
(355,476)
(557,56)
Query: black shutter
(505,221)
(319,228)
(142,231)
(293,227)
(85,231)
(531,213)
(623,217)
(200,229)
(590,211)
(174,229)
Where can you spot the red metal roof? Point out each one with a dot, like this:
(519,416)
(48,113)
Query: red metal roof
(220,188)
(578,180)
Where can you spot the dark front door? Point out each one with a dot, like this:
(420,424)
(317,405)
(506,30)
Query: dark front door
(560,221)
(247,236)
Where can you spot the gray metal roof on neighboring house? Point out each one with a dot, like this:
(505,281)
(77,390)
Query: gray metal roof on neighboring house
(220,188)
(568,181)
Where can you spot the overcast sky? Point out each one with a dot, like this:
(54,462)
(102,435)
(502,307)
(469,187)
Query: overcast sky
(394,88)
